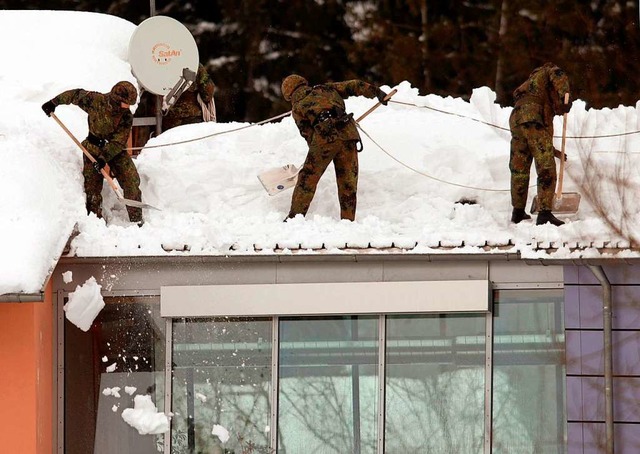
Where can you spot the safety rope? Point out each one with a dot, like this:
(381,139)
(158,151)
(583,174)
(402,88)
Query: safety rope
(426,174)
(604,136)
(195,139)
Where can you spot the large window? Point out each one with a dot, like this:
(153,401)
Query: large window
(435,384)
(349,384)
(328,400)
(221,377)
(529,372)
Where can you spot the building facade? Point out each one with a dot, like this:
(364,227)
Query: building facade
(353,352)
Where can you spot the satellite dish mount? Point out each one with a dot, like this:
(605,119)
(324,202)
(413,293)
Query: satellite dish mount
(186,80)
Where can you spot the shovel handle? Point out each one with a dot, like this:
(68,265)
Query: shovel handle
(88,155)
(378,104)
(562,147)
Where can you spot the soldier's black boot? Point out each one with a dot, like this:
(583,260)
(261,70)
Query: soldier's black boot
(518,214)
(546,216)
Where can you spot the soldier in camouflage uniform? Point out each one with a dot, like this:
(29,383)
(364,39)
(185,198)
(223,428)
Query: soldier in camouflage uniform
(331,133)
(110,122)
(187,109)
(536,102)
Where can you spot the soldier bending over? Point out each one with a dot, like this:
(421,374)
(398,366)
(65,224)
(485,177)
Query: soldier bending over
(331,133)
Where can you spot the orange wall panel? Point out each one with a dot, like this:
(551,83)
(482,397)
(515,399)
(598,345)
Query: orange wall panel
(26,376)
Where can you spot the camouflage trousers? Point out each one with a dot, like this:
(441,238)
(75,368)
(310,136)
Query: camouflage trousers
(345,161)
(125,171)
(531,142)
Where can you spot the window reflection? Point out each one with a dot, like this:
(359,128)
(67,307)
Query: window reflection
(529,363)
(221,376)
(328,397)
(435,384)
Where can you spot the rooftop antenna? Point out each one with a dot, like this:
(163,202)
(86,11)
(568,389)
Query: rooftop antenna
(164,58)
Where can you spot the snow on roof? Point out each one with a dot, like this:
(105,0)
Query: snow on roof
(432,155)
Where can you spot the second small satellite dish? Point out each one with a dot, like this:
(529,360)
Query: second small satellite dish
(160,49)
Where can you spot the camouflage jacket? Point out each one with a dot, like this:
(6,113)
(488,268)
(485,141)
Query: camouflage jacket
(107,120)
(541,97)
(187,104)
(320,113)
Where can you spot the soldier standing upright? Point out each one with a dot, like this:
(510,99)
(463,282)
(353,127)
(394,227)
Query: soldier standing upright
(110,122)
(331,133)
(531,122)
(188,109)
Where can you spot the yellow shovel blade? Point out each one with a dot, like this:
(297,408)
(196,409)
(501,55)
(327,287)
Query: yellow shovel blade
(568,203)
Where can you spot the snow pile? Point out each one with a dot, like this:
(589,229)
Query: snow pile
(145,417)
(84,304)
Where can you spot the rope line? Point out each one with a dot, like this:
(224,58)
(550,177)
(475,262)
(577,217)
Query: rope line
(604,136)
(426,174)
(195,139)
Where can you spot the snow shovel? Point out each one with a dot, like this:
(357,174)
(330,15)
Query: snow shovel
(568,202)
(105,174)
(278,179)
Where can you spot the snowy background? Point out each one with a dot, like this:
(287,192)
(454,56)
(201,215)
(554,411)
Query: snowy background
(435,152)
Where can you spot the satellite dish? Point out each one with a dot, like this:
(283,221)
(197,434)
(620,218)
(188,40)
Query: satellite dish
(160,49)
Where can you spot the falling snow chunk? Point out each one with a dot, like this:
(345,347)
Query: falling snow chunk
(130,390)
(201,397)
(115,391)
(220,432)
(105,359)
(112,367)
(67,277)
(84,305)
(144,416)
(114,408)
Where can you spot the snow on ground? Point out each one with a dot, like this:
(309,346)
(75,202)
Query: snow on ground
(437,151)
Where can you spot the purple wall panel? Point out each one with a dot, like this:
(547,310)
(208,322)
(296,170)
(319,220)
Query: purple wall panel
(626,307)
(593,398)
(574,438)
(590,307)
(573,350)
(617,275)
(584,356)
(594,438)
(626,353)
(572,307)
(585,352)
(627,438)
(574,399)
(571,275)
(627,397)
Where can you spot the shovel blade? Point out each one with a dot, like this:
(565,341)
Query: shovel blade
(279,179)
(135,203)
(568,203)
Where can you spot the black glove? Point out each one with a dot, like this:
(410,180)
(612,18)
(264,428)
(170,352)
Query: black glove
(380,94)
(99,164)
(48,108)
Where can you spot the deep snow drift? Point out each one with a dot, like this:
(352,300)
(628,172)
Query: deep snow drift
(211,199)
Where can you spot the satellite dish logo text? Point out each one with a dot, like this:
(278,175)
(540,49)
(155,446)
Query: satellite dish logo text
(162,53)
